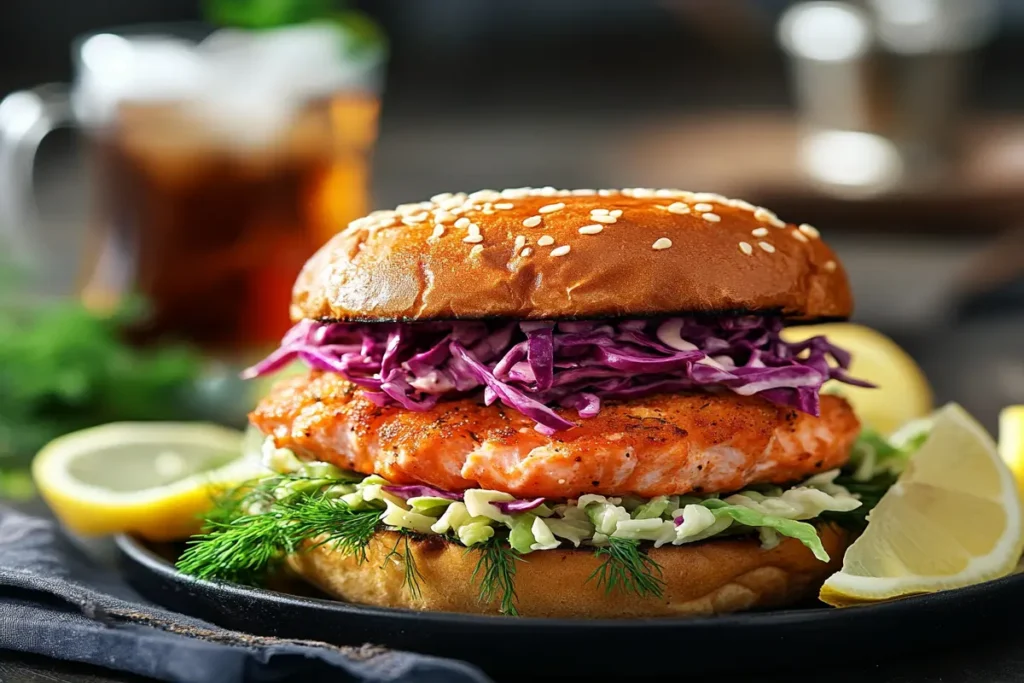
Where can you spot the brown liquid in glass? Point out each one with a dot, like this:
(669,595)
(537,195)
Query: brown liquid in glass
(212,230)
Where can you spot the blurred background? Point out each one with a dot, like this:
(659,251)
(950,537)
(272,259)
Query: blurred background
(204,149)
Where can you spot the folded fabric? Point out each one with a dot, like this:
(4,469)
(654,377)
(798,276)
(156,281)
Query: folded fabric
(55,601)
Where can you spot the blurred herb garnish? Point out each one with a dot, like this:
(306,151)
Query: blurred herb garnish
(360,31)
(64,367)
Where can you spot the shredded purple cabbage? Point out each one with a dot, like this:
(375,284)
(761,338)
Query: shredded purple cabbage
(534,366)
(508,507)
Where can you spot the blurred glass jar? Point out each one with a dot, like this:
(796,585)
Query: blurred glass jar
(220,161)
(879,88)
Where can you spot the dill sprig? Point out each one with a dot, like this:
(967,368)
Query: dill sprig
(245,550)
(497,571)
(412,572)
(249,532)
(628,568)
(332,521)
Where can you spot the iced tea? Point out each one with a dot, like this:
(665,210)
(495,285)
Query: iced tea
(212,225)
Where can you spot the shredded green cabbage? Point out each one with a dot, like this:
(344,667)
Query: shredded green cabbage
(771,512)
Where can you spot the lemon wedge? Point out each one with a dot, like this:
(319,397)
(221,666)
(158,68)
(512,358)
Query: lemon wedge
(902,392)
(952,519)
(1011,442)
(148,478)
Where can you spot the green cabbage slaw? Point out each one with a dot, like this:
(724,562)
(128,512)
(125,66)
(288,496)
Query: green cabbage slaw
(591,520)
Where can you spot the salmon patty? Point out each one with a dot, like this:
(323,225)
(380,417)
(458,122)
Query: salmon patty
(659,445)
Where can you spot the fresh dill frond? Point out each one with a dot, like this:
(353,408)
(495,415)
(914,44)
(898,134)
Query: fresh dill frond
(411,582)
(334,523)
(245,550)
(497,571)
(627,568)
(249,532)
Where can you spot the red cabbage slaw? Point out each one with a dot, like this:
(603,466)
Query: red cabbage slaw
(533,366)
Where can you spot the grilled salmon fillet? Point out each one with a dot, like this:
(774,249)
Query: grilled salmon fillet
(660,445)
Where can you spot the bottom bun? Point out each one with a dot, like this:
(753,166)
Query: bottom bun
(712,577)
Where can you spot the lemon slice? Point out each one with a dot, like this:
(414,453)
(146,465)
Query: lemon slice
(1011,442)
(952,519)
(149,478)
(902,392)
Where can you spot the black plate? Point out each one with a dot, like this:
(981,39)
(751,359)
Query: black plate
(793,638)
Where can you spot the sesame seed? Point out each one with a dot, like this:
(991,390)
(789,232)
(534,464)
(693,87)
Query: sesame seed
(547,191)
(546,240)
(711,217)
(703,206)
(740,204)
(830,266)
(515,193)
(443,217)
(583,193)
(598,212)
(763,214)
(532,221)
(462,222)
(665,192)
(413,219)
(797,235)
(643,192)
(526,252)
(759,232)
(560,251)
(767,247)
(746,248)
(600,218)
(678,208)
(485,196)
(473,239)
(591,229)
(809,230)
(504,206)
(405,209)
(476,251)
(549,208)
(607,193)
(520,242)
(438,231)
(615,213)
(661,243)
(438,198)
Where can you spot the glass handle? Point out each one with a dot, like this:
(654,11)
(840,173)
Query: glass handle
(26,117)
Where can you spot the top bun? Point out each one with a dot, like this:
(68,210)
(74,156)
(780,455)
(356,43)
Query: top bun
(560,254)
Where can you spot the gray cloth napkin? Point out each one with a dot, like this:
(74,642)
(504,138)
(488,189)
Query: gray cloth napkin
(56,602)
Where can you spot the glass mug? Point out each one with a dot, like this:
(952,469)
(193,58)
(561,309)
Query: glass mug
(220,162)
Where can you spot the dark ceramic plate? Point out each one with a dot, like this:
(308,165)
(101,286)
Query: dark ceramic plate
(755,641)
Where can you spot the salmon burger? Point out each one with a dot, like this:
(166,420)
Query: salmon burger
(555,403)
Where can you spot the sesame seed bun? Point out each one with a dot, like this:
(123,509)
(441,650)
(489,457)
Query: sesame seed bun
(711,577)
(548,254)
